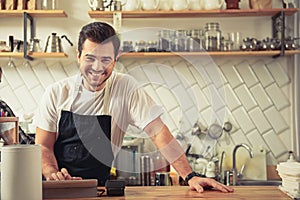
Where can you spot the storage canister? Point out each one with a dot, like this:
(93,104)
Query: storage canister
(212,37)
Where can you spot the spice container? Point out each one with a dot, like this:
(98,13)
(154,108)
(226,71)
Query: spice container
(152,46)
(127,46)
(212,37)
(140,46)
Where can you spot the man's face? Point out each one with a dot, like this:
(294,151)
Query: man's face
(96,64)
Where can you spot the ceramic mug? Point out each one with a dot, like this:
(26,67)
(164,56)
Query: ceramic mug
(196,5)
(213,4)
(131,5)
(149,4)
(163,179)
(164,5)
(180,4)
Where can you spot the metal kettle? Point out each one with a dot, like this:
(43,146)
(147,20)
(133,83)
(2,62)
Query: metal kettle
(54,43)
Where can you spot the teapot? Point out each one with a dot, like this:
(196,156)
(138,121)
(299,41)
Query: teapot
(149,4)
(180,4)
(54,43)
(213,4)
(97,4)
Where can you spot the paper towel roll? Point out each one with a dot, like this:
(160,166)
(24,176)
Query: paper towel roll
(21,172)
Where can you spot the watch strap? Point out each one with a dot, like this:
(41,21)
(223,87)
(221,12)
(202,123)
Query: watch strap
(191,175)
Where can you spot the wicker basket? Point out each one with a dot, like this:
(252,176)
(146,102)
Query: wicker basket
(260,4)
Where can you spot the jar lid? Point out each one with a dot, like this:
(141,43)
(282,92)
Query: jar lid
(127,42)
(212,25)
(152,42)
(140,42)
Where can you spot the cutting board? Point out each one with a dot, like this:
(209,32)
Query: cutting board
(70,189)
(255,168)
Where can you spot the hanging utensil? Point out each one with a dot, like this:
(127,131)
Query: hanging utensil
(215,131)
(227,126)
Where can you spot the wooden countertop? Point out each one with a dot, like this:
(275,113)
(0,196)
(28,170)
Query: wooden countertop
(184,192)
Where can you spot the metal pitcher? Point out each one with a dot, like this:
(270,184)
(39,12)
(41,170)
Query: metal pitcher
(54,43)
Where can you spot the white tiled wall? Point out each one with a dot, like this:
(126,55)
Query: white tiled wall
(249,93)
(255,94)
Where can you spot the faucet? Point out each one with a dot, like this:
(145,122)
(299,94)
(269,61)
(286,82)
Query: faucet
(234,169)
(220,177)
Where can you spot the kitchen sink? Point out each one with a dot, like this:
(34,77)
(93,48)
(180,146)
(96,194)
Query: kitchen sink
(259,182)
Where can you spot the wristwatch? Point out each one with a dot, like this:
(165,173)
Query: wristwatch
(191,175)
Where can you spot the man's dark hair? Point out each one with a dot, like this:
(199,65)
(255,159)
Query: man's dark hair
(99,32)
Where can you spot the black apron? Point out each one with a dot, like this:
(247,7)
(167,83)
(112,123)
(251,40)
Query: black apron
(83,146)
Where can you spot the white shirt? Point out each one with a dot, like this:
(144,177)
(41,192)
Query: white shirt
(129,104)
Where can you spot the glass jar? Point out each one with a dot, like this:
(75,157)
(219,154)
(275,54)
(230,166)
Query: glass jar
(180,41)
(48,5)
(212,37)
(140,46)
(127,46)
(164,40)
(195,40)
(152,46)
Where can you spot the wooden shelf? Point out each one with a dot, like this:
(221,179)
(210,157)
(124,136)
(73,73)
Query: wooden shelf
(236,53)
(15,120)
(9,119)
(192,13)
(34,55)
(33,13)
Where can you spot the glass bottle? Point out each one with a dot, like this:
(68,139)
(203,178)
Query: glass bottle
(212,37)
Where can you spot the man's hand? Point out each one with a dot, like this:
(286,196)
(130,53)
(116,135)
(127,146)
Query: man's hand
(198,184)
(63,174)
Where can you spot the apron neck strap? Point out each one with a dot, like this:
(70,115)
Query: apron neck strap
(79,83)
(106,96)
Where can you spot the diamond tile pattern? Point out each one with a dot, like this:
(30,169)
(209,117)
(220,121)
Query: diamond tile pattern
(251,94)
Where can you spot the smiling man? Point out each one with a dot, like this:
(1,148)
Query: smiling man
(81,120)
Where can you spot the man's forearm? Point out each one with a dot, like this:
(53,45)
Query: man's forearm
(175,155)
(49,163)
(172,151)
